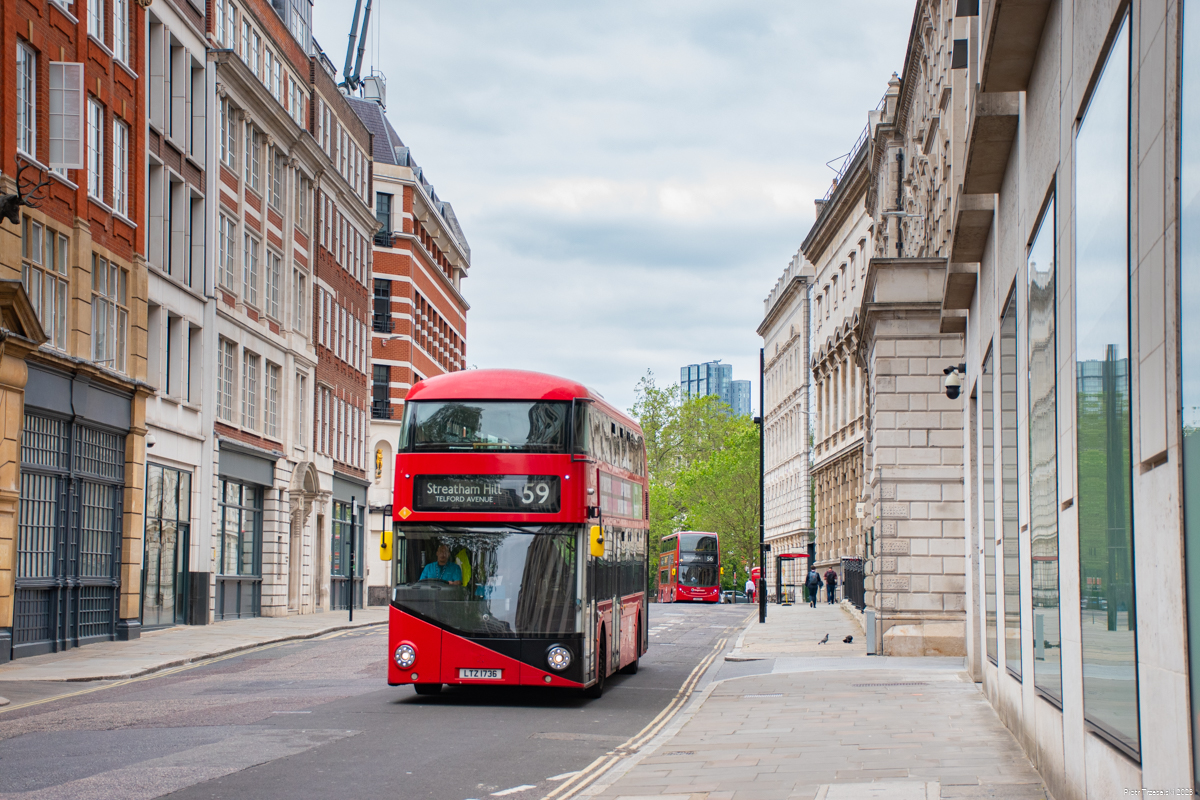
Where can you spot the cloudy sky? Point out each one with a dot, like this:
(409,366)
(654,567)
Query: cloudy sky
(632,176)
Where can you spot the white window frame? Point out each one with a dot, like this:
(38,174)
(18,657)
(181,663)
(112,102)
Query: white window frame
(120,29)
(226,229)
(251,364)
(26,99)
(226,379)
(95,149)
(120,167)
(250,269)
(67,102)
(96,19)
(274,275)
(110,313)
(271,404)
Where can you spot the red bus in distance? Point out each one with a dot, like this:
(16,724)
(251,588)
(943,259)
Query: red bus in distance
(521,535)
(689,568)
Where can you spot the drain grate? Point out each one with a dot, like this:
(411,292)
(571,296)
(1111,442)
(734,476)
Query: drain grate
(771,694)
(915,683)
(681,753)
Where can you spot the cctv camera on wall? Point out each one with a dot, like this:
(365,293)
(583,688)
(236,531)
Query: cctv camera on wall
(954,380)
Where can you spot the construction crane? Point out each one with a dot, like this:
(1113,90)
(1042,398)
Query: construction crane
(352,80)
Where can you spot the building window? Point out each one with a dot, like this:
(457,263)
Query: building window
(301,407)
(231,26)
(381,319)
(225,242)
(168,524)
(96,20)
(228,135)
(272,400)
(44,276)
(250,270)
(225,378)
(276,79)
(987,469)
(274,276)
(299,21)
(1043,457)
(110,313)
(276,186)
(66,115)
(120,29)
(300,313)
(383,213)
(250,418)
(26,100)
(268,66)
(241,528)
(381,407)
(95,154)
(252,153)
(1010,521)
(120,168)
(303,203)
(1103,425)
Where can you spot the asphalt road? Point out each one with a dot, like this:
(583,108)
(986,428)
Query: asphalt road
(317,719)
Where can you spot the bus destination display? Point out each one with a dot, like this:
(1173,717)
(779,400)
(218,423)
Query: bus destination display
(529,494)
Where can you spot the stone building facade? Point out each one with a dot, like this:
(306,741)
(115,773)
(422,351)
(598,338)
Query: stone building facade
(73,287)
(838,246)
(178,320)
(913,457)
(419,313)
(787,518)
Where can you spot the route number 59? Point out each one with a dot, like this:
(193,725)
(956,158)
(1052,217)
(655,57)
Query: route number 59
(528,493)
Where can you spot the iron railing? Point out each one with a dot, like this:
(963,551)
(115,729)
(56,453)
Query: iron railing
(381,410)
(853,585)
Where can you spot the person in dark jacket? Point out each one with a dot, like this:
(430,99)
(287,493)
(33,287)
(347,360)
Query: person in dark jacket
(831,582)
(814,586)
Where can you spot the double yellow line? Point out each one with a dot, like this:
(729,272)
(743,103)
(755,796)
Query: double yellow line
(592,772)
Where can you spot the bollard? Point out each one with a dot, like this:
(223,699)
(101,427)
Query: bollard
(870,626)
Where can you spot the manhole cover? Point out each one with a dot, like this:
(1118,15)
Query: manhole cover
(916,683)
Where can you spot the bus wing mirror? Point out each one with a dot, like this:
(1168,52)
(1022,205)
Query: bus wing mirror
(596,541)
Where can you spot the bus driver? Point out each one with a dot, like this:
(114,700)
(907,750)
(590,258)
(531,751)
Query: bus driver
(443,569)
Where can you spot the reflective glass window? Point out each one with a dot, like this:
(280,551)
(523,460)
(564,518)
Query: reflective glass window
(1104,481)
(1009,531)
(1189,339)
(987,470)
(1043,457)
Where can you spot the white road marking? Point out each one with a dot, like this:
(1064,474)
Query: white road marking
(513,790)
(563,777)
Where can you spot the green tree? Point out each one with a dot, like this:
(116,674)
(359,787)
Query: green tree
(702,464)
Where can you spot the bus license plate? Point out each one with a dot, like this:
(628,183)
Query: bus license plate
(480,674)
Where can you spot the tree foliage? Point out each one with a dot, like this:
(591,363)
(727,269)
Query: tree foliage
(703,469)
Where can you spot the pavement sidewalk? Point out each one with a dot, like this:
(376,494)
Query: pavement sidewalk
(788,718)
(182,644)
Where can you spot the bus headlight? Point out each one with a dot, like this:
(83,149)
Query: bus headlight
(558,657)
(406,656)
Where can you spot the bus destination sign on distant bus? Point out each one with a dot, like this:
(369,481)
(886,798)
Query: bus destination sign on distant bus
(520,494)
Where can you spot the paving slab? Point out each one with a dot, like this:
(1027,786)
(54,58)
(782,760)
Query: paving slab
(828,722)
(183,644)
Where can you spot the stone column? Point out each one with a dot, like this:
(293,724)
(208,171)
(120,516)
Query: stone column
(915,478)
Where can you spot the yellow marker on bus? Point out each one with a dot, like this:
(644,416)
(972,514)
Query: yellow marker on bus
(596,539)
(385,546)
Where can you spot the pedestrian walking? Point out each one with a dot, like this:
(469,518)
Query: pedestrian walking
(831,582)
(814,586)
(750,589)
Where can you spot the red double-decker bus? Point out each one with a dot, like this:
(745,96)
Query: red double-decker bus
(521,535)
(689,568)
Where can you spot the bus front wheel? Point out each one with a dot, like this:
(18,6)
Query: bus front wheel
(428,688)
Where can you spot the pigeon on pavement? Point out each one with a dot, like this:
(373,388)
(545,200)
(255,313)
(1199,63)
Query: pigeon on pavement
(848,639)
(823,641)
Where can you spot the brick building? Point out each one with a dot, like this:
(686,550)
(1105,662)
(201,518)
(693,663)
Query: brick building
(419,314)
(73,363)
(290,224)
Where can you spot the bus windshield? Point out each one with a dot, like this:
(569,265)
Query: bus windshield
(697,543)
(491,581)
(474,425)
(697,576)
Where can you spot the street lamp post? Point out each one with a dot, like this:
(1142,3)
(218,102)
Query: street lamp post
(762,491)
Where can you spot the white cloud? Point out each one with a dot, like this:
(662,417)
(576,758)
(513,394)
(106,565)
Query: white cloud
(632,176)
